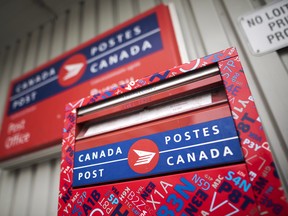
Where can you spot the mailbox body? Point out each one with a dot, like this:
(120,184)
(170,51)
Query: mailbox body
(209,158)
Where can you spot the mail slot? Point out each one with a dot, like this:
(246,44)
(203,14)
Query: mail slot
(178,136)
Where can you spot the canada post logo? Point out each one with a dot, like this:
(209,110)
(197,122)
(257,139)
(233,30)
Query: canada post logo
(143,156)
(72,70)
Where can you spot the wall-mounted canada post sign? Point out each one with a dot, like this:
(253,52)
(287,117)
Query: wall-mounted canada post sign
(185,141)
(34,111)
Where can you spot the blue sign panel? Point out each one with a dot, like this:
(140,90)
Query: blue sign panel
(201,145)
(133,42)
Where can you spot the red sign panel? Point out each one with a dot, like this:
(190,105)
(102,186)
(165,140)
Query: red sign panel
(250,188)
(34,111)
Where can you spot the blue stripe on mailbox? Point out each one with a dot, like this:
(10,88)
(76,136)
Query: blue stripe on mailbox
(200,145)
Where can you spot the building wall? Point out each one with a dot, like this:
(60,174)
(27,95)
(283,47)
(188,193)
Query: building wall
(30,186)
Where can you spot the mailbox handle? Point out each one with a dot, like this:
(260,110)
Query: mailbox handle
(154,88)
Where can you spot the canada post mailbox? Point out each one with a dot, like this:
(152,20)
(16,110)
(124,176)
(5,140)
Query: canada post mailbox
(177,142)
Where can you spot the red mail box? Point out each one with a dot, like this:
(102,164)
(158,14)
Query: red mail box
(173,143)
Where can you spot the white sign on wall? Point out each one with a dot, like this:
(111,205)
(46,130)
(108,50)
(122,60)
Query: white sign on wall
(267,29)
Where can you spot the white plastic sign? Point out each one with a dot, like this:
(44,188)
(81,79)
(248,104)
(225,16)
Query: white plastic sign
(267,29)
